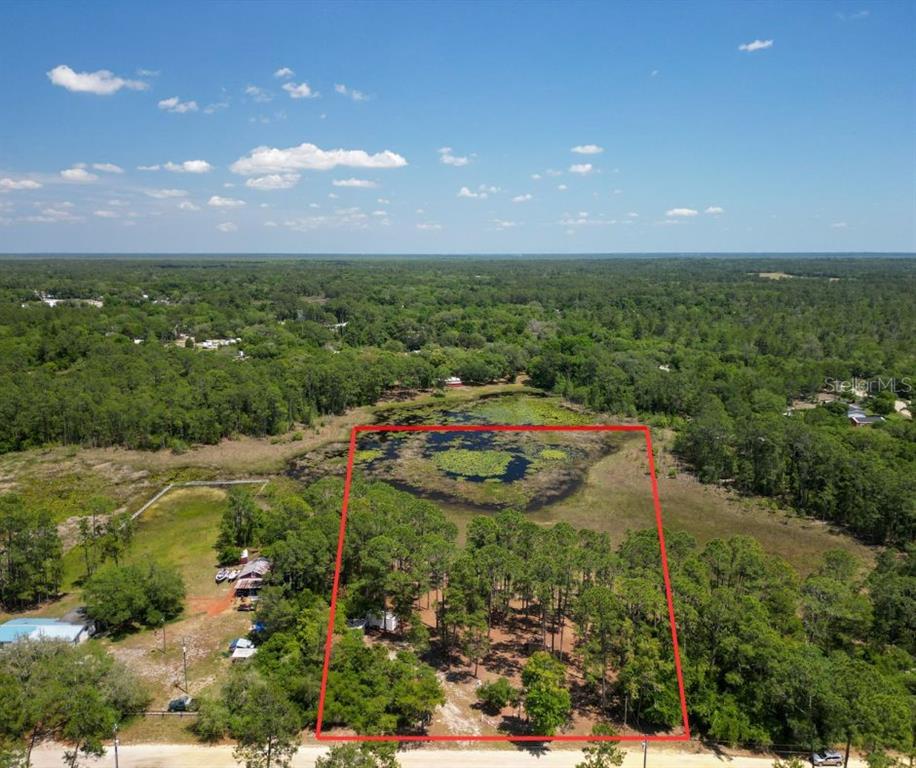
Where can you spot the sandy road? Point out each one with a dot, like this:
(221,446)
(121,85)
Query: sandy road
(194,756)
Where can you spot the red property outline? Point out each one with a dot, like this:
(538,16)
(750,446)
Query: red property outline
(501,428)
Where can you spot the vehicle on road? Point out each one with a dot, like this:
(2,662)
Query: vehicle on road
(826,757)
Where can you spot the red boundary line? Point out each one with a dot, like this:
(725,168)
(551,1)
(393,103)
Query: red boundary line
(501,428)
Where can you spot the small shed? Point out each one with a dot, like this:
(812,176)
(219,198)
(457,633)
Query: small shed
(241,654)
(387,622)
(453,381)
(251,577)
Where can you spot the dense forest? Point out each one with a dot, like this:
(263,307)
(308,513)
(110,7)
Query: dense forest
(708,346)
(768,658)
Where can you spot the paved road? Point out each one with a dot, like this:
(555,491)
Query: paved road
(193,756)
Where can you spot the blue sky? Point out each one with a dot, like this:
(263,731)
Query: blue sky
(569,127)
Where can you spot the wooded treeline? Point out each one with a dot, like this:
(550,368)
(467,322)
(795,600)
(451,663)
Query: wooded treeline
(705,345)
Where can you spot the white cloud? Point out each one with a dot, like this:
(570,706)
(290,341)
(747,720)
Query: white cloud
(227,226)
(536,176)
(714,210)
(225,202)
(78,174)
(309,157)
(466,192)
(382,200)
(273,181)
(283,73)
(103,214)
(857,16)
(756,45)
(187,205)
(839,225)
(587,149)
(301,91)
(216,106)
(448,158)
(503,224)
(356,183)
(189,166)
(148,167)
(633,215)
(562,187)
(165,194)
(681,212)
(258,94)
(101,82)
(581,168)
(116,203)
(429,227)
(107,167)
(523,198)
(350,92)
(8,183)
(175,105)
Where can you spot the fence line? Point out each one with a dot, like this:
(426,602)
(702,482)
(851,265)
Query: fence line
(196,484)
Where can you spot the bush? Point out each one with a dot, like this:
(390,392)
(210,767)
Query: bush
(212,721)
(496,695)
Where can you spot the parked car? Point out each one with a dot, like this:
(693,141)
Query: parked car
(240,642)
(183,703)
(826,757)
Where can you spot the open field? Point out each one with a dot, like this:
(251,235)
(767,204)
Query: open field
(616,497)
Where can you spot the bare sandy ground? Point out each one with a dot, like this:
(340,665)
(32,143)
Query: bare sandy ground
(177,756)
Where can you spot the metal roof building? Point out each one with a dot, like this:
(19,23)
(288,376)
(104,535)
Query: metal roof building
(31,628)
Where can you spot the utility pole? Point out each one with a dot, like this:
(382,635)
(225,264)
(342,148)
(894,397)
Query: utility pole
(184,658)
(116,742)
(645,752)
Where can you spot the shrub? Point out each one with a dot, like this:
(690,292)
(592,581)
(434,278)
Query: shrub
(496,695)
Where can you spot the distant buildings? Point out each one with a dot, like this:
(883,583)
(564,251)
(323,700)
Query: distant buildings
(16,630)
(251,577)
(453,381)
(859,418)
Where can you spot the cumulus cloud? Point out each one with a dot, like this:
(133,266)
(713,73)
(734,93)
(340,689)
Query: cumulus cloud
(523,198)
(105,214)
(101,83)
(227,226)
(755,45)
(283,73)
(165,194)
(189,166)
(503,224)
(308,157)
(562,187)
(273,181)
(107,167)
(148,167)
(581,168)
(355,183)
(429,227)
(714,210)
(587,149)
(9,184)
(187,205)
(839,225)
(466,192)
(301,91)
(448,158)
(681,212)
(176,106)
(258,94)
(225,202)
(79,174)
(352,93)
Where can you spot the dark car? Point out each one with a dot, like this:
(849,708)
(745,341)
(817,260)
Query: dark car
(826,757)
(182,704)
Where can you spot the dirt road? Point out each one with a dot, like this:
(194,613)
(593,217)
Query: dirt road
(192,756)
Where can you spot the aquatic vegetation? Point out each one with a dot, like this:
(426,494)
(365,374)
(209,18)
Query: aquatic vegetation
(370,454)
(526,410)
(472,463)
(553,454)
